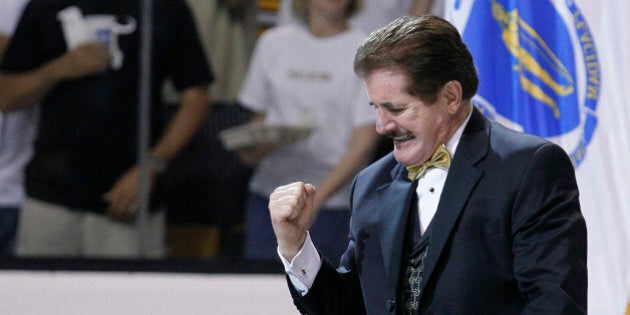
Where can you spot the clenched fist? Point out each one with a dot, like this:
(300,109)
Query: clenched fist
(291,210)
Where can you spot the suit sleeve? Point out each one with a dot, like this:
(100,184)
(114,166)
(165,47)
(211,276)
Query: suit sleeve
(334,291)
(549,236)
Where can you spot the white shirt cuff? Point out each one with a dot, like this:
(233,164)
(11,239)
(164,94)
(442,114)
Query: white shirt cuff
(304,267)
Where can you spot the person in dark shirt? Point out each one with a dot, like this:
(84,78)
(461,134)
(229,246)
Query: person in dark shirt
(79,59)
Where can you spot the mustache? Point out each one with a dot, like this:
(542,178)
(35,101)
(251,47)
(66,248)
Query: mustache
(399,135)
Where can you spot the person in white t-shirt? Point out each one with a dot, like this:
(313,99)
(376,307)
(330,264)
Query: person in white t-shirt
(17,131)
(373,13)
(303,75)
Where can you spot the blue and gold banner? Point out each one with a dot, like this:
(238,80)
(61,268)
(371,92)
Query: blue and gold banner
(538,68)
(560,69)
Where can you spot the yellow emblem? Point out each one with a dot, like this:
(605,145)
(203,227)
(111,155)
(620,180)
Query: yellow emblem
(518,37)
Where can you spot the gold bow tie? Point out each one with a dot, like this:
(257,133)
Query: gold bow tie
(441,158)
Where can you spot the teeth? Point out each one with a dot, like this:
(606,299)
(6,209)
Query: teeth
(402,138)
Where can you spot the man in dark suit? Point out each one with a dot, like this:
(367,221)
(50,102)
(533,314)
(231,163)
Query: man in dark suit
(491,226)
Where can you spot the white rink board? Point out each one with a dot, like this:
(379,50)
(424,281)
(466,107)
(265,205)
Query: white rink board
(86,293)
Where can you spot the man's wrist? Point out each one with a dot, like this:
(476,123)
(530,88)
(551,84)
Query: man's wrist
(289,250)
(304,267)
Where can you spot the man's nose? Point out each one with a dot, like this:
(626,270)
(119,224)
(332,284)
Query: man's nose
(384,122)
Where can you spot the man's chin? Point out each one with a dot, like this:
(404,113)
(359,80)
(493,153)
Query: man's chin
(402,156)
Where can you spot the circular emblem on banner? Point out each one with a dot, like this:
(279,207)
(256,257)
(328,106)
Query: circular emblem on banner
(538,68)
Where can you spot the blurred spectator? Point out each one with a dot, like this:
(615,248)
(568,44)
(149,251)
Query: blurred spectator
(227,30)
(17,131)
(372,13)
(80,60)
(303,75)
(205,189)
(206,185)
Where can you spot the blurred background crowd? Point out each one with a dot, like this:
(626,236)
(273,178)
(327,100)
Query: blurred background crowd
(71,172)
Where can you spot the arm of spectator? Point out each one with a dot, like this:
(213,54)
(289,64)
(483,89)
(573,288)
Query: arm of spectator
(4,42)
(251,156)
(361,150)
(20,90)
(192,114)
(420,7)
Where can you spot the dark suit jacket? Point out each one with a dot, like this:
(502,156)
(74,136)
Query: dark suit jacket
(508,236)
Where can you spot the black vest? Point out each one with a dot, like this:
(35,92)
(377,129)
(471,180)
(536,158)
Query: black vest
(415,252)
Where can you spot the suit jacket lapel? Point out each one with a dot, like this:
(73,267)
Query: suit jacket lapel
(460,182)
(393,200)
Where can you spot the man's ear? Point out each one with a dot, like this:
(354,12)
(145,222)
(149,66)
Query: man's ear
(452,95)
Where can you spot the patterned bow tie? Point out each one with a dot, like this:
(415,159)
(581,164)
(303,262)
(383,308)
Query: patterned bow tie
(441,158)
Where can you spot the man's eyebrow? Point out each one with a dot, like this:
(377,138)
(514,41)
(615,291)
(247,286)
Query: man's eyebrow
(388,105)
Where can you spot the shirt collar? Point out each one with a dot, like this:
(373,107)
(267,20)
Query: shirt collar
(452,143)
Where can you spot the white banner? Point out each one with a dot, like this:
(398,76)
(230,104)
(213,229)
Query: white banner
(561,69)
